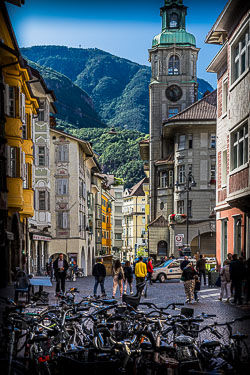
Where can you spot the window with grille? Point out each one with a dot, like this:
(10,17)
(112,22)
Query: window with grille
(239,147)
(41,200)
(41,156)
(62,220)
(12,101)
(182,142)
(62,186)
(63,152)
(180,207)
(163,179)
(24,127)
(181,174)
(174,65)
(41,114)
(118,236)
(240,53)
(13,162)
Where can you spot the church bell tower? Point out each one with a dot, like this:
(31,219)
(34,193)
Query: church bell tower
(173,85)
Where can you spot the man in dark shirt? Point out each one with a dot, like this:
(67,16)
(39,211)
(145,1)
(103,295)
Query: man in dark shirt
(184,263)
(99,271)
(60,267)
(237,272)
(201,268)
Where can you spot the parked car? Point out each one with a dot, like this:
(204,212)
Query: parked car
(171,269)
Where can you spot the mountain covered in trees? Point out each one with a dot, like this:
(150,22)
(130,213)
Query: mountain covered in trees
(94,87)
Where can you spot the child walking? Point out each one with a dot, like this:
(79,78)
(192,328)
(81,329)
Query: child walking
(197,288)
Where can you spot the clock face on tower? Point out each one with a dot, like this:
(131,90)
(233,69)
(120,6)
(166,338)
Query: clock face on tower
(173,93)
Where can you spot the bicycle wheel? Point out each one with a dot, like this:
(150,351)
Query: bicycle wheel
(17,368)
(242,351)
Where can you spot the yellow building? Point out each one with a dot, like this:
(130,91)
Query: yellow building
(106,222)
(19,107)
(135,221)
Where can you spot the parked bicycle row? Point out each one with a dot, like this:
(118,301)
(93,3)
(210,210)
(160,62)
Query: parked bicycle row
(132,337)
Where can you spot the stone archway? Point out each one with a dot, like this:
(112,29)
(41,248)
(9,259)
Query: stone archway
(205,244)
(162,248)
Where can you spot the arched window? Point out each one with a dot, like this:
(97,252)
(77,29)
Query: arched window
(173,21)
(174,65)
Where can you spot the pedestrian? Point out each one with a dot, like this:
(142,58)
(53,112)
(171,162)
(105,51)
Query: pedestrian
(118,277)
(189,283)
(184,263)
(229,257)
(247,277)
(197,288)
(99,272)
(60,267)
(128,274)
(150,270)
(140,271)
(225,281)
(201,268)
(237,274)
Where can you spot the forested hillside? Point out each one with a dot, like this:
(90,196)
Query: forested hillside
(117,87)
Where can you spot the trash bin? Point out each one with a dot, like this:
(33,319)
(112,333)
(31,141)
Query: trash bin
(212,277)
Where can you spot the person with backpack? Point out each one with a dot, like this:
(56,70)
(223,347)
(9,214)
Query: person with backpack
(118,277)
(99,272)
(189,281)
(150,270)
(128,274)
(225,281)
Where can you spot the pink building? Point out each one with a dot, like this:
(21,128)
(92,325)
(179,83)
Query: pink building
(232,65)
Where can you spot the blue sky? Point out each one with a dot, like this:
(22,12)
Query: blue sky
(124,28)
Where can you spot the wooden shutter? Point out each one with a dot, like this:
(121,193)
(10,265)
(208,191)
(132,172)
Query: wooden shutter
(6,100)
(58,186)
(23,166)
(22,108)
(8,159)
(18,102)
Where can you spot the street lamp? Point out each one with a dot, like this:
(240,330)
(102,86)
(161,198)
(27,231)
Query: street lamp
(187,185)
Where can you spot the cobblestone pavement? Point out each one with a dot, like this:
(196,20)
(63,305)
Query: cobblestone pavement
(163,294)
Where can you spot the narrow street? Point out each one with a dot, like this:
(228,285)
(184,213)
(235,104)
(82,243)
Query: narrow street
(171,291)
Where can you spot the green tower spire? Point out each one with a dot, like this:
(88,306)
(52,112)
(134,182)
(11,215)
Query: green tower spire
(173,15)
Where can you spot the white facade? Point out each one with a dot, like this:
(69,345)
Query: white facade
(40,224)
(72,203)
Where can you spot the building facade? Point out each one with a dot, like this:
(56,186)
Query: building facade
(107,199)
(116,191)
(173,85)
(181,148)
(134,222)
(39,226)
(18,108)
(232,66)
(71,199)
